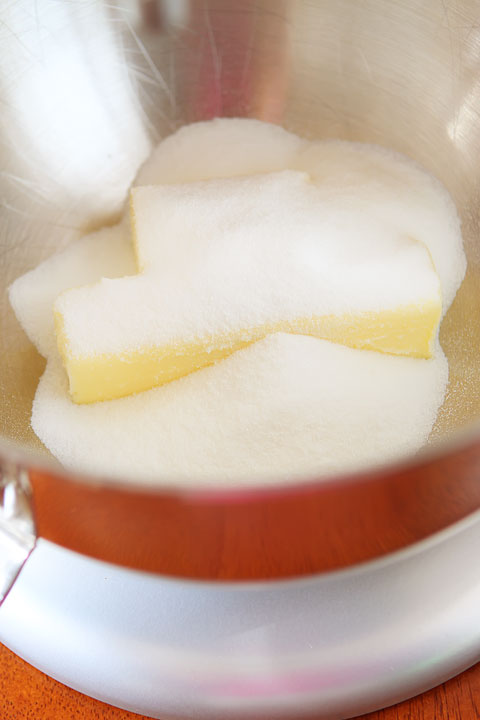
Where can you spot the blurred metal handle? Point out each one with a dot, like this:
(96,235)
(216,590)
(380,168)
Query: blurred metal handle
(17,525)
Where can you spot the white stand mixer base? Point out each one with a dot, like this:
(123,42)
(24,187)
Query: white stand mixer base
(333,646)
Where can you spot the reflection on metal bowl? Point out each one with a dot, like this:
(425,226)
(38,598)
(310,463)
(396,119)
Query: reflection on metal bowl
(86,90)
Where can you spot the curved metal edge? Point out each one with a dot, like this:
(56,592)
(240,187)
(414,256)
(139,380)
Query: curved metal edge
(17,524)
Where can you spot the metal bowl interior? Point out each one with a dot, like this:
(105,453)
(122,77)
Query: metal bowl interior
(87,89)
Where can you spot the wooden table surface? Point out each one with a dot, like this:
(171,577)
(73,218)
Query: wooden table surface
(28,694)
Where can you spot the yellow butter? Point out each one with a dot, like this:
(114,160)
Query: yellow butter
(406,331)
(196,237)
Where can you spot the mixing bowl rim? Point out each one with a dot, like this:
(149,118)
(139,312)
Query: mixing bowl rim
(199,487)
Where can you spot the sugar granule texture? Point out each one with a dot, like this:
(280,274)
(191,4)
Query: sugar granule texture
(288,405)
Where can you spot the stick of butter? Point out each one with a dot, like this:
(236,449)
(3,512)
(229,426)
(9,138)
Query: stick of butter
(222,263)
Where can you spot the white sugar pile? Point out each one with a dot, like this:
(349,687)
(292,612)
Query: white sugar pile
(381,185)
(288,405)
(392,191)
(218,149)
(106,253)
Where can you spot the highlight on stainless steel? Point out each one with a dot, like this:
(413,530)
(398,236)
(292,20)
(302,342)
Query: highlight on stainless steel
(88,87)
(17,526)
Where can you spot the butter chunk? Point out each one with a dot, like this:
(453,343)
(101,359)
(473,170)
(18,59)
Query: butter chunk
(104,253)
(225,262)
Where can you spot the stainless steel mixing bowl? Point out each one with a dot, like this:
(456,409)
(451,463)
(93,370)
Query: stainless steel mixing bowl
(87,88)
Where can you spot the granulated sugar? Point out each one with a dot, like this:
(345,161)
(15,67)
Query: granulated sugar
(388,186)
(220,148)
(286,406)
(106,253)
(222,256)
(393,190)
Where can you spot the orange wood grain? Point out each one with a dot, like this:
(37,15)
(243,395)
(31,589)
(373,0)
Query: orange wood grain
(28,694)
